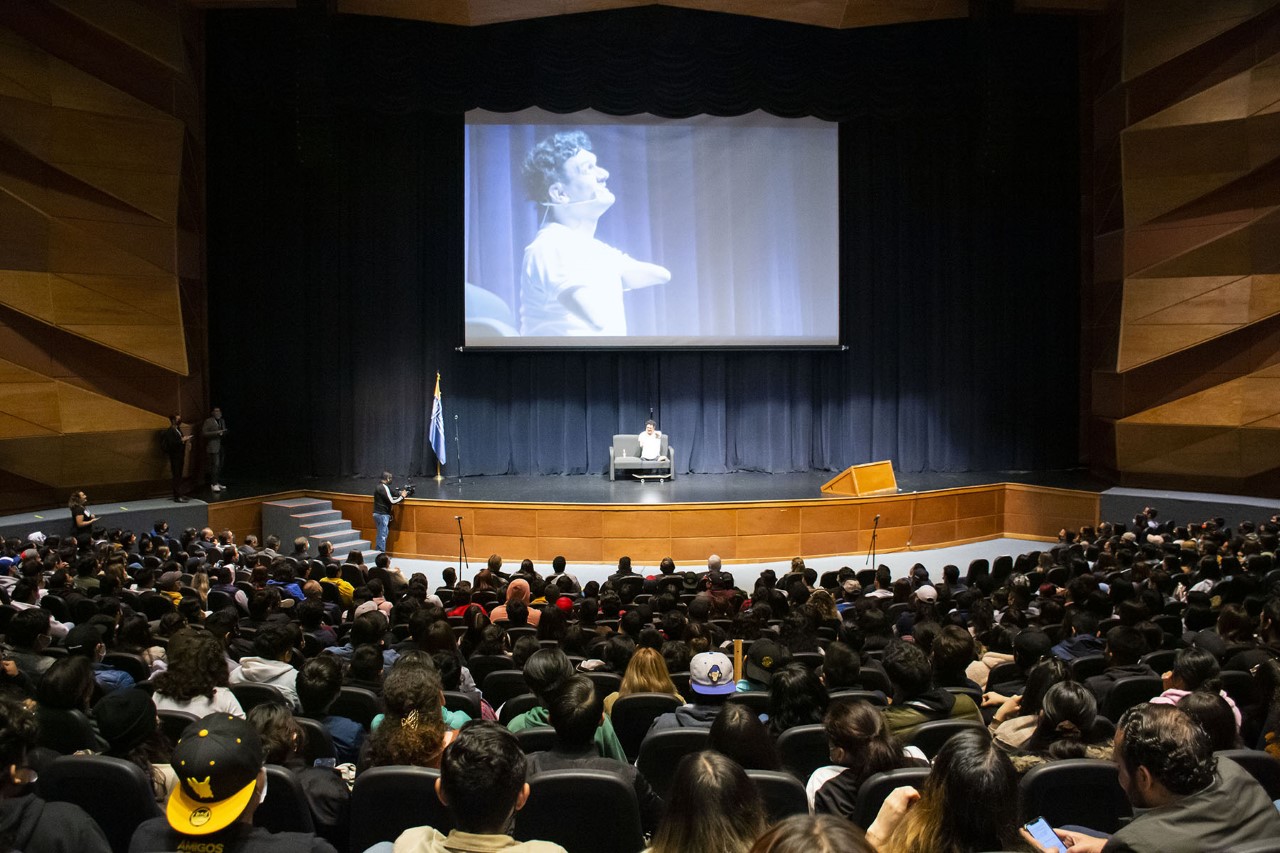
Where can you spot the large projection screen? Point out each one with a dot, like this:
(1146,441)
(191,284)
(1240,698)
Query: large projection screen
(594,231)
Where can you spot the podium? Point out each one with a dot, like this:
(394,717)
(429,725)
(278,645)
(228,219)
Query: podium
(870,478)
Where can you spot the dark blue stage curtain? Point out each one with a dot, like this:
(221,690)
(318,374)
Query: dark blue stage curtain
(335,245)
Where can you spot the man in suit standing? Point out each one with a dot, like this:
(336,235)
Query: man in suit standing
(213,430)
(174,444)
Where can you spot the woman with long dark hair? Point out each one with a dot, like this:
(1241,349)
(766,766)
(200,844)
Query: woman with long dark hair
(713,807)
(1067,726)
(965,805)
(861,745)
(738,734)
(1194,669)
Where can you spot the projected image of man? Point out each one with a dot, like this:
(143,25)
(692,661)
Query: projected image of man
(570,282)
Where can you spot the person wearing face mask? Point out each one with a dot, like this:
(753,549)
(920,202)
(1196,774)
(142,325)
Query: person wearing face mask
(571,283)
(221,782)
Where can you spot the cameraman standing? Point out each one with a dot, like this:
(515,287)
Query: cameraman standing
(383,500)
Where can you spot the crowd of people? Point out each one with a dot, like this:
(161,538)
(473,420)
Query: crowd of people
(1151,645)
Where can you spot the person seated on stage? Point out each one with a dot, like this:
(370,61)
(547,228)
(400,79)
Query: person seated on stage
(651,443)
(482,783)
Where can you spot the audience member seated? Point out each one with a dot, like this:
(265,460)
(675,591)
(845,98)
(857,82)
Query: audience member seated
(796,698)
(738,734)
(546,671)
(368,629)
(1067,726)
(1186,800)
(1212,713)
(576,712)
(269,663)
(222,779)
(809,833)
(1016,716)
(915,699)
(126,720)
(482,783)
(967,804)
(1194,670)
(25,639)
(319,684)
(284,743)
(62,707)
(713,805)
(365,670)
(763,659)
(1084,638)
(26,821)
(413,730)
(195,681)
(1124,648)
(86,641)
(861,746)
(711,679)
(1030,647)
(950,655)
(517,590)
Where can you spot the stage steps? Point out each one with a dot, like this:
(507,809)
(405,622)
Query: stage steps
(317,520)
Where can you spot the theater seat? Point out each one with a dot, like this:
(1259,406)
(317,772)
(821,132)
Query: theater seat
(319,743)
(929,737)
(388,800)
(756,700)
(515,706)
(536,739)
(1081,791)
(250,695)
(803,749)
(502,684)
(285,809)
(1260,765)
(872,792)
(782,793)
(634,714)
(660,752)
(1127,692)
(584,811)
(357,703)
(86,779)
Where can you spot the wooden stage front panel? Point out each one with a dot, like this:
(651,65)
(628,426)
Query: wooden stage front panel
(739,532)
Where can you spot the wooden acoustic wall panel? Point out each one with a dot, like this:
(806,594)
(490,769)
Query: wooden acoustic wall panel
(101,242)
(757,532)
(1184,381)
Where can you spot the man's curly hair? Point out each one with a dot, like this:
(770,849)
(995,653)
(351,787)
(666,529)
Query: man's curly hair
(544,164)
(1173,748)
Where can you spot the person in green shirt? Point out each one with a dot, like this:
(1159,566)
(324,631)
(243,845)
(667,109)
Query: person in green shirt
(546,671)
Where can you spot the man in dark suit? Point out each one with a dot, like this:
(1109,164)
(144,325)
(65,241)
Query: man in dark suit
(174,445)
(213,429)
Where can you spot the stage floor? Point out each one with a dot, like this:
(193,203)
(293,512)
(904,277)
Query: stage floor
(738,487)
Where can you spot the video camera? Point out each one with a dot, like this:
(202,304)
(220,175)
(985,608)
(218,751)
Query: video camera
(409,490)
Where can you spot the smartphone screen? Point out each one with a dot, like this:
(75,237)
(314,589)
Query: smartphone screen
(1044,834)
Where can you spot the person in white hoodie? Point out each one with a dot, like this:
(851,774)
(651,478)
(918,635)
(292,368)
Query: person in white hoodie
(269,663)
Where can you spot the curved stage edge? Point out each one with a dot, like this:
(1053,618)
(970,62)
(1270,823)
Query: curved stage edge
(740,532)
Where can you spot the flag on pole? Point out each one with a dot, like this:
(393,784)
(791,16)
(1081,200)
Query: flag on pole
(436,434)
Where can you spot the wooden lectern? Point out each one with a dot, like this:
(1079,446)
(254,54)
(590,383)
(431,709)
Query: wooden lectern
(871,478)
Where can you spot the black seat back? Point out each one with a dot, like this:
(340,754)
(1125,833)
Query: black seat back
(85,779)
(388,800)
(1085,791)
(872,792)
(782,793)
(633,714)
(285,809)
(661,751)
(584,811)
(803,749)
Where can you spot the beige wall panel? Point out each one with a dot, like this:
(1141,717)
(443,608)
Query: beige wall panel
(893,513)
(932,535)
(439,545)
(74,251)
(572,549)
(930,509)
(775,520)
(1226,304)
(164,346)
(433,518)
(836,517)
(12,426)
(75,304)
(34,402)
(115,142)
(706,522)
(241,517)
(24,243)
(1141,345)
(512,549)
(152,242)
(887,539)
(825,544)
(977,527)
(643,552)
(1144,297)
(570,524)
(699,548)
(507,522)
(983,502)
(28,292)
(1157,31)
(767,547)
(631,524)
(29,125)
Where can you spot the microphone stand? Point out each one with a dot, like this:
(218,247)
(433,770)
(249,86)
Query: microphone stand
(462,546)
(457,450)
(871,554)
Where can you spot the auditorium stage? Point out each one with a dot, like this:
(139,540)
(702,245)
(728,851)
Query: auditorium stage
(737,487)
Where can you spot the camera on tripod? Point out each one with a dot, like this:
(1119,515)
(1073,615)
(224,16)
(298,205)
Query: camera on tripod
(409,489)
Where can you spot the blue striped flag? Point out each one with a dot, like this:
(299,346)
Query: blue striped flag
(436,434)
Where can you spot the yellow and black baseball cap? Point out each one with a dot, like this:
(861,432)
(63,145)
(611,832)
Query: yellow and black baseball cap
(217,761)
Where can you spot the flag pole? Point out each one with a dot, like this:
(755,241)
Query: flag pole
(435,404)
